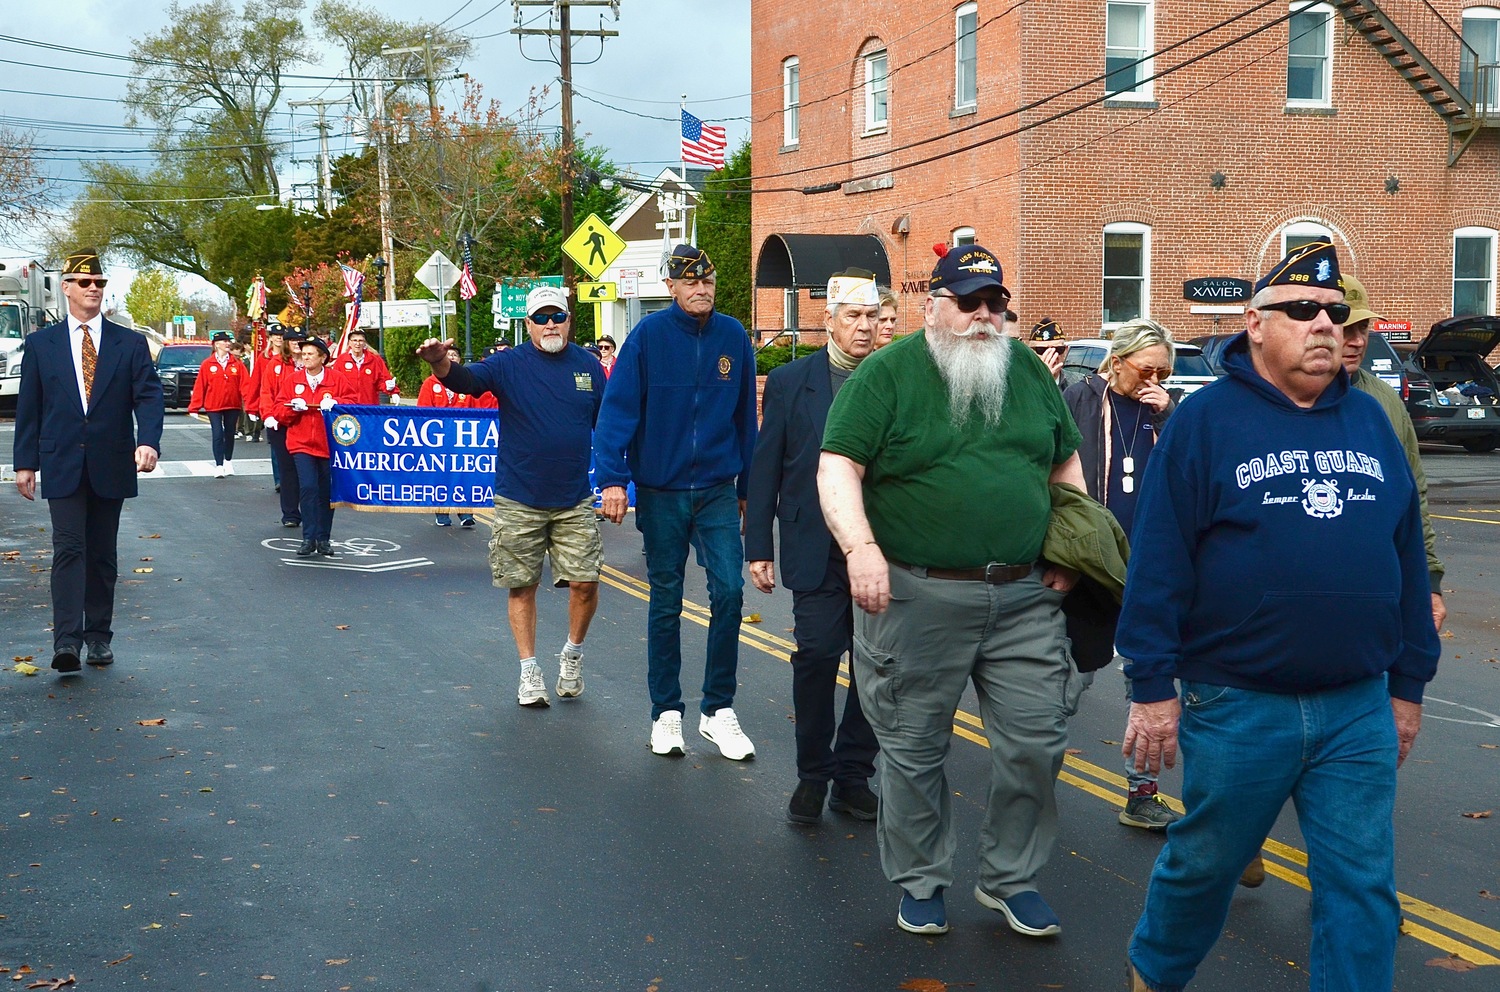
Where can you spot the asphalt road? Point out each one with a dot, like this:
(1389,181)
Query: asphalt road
(344,794)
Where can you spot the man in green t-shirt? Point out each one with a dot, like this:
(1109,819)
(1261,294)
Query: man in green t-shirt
(936,461)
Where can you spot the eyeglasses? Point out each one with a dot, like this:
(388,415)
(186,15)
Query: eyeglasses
(968,304)
(560,317)
(1153,372)
(1305,310)
(88,283)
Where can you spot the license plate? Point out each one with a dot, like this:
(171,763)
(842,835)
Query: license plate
(1476,413)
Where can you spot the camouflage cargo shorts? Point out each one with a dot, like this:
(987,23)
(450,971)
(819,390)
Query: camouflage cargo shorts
(522,535)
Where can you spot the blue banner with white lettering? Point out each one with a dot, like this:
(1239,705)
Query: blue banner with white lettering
(415,459)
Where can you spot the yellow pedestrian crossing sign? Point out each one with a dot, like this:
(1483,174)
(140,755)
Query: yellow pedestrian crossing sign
(596,292)
(594,245)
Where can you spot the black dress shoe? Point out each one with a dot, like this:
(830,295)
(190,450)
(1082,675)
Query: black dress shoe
(100,654)
(856,800)
(807,802)
(65,660)
(307,548)
(291,523)
(325,548)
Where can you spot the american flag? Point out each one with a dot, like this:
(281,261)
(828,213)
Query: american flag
(466,287)
(354,285)
(296,295)
(702,144)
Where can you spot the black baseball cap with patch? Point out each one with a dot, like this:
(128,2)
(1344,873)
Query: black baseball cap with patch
(221,336)
(966,269)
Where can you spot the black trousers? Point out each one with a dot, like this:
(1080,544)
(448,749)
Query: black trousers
(85,564)
(828,749)
(287,477)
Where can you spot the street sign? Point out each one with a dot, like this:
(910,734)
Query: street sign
(596,292)
(438,274)
(185,326)
(629,285)
(401,313)
(593,245)
(510,295)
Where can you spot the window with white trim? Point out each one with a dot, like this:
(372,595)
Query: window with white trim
(965,56)
(1303,232)
(791,305)
(1479,62)
(964,236)
(1127,273)
(1309,58)
(1473,271)
(1128,27)
(791,100)
(877,106)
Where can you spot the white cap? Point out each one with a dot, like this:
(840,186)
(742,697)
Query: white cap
(546,296)
(852,290)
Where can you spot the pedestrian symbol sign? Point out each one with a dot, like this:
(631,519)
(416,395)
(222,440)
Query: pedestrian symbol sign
(596,292)
(594,245)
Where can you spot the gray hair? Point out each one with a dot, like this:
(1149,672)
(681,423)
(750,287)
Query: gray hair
(1138,335)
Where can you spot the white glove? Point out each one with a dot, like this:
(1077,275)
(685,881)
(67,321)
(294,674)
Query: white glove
(253,417)
(298,403)
(326,403)
(195,416)
(272,425)
(390,384)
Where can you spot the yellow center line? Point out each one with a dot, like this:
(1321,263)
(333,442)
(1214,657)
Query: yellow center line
(1109,786)
(1467,520)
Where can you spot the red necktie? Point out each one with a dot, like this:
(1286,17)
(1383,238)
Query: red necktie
(90,359)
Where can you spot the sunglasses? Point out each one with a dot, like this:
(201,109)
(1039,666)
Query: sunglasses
(1304,310)
(561,317)
(606,347)
(1154,372)
(968,304)
(88,283)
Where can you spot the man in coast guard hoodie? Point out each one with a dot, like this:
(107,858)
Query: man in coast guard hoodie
(1280,577)
(679,420)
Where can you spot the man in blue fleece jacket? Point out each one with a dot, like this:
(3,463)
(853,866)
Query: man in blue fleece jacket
(1280,575)
(679,419)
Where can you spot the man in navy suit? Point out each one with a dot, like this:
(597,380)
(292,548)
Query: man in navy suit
(83,379)
(784,487)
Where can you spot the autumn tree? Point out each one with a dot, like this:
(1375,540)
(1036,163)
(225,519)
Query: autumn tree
(21,183)
(363,34)
(724,232)
(154,297)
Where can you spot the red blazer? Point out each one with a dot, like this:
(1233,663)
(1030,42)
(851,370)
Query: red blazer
(221,385)
(434,393)
(367,379)
(305,433)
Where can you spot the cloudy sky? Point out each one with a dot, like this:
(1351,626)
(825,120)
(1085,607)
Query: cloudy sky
(666,48)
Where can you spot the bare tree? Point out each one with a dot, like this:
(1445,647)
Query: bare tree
(22,186)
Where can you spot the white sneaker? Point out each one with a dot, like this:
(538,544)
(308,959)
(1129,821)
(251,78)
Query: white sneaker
(533,689)
(218,471)
(229,468)
(666,734)
(569,674)
(723,729)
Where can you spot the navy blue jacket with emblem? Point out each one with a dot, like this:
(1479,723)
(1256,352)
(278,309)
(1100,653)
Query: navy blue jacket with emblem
(679,411)
(548,404)
(1277,548)
(55,435)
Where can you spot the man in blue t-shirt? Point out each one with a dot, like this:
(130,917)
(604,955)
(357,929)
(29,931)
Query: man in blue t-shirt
(549,393)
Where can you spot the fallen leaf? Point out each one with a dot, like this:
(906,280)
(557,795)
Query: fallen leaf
(1448,633)
(923,985)
(266,978)
(341,626)
(1482,815)
(116,961)
(336,961)
(205,790)
(1452,963)
(160,721)
(141,569)
(24,657)
(752,618)
(152,926)
(53,983)
(1073,750)
(1485,894)
(26,669)
(148,558)
(545,809)
(1490,747)
(650,939)
(153,537)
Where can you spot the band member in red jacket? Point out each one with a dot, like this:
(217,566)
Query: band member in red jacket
(434,393)
(220,392)
(307,394)
(275,370)
(365,370)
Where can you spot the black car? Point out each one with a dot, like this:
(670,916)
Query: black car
(177,367)
(1454,395)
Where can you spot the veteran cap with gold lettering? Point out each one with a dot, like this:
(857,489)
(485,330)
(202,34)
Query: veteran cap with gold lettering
(1314,264)
(689,262)
(83,262)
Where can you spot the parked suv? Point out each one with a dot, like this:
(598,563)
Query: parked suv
(1459,401)
(177,367)
(1189,371)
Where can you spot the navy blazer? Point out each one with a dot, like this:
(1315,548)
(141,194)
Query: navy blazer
(56,436)
(784,473)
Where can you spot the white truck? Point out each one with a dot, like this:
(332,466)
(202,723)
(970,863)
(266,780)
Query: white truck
(28,302)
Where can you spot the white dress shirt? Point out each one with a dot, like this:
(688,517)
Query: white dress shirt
(75,340)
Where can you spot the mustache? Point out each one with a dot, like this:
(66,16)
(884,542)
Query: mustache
(1323,341)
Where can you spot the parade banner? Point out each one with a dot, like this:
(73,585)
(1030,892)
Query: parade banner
(416,459)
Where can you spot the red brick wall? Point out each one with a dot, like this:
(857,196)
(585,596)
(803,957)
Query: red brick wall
(1040,200)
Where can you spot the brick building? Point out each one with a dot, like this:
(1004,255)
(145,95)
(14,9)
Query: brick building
(1373,122)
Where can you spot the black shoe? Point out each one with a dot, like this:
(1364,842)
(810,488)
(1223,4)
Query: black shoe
(278,487)
(856,800)
(291,523)
(466,521)
(100,654)
(65,660)
(325,548)
(307,548)
(807,802)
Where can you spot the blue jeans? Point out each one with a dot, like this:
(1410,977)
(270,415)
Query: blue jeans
(315,479)
(669,521)
(221,425)
(1245,753)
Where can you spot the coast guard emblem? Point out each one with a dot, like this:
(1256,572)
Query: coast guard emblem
(724,366)
(1321,499)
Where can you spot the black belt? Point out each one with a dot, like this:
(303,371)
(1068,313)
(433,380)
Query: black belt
(994,573)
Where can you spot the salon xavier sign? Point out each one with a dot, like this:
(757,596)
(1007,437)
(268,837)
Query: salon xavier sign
(1216,289)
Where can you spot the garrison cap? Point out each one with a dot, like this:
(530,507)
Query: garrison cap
(1314,264)
(855,287)
(83,262)
(689,262)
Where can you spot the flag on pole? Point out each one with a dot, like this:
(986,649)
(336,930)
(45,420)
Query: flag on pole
(354,285)
(296,296)
(467,289)
(702,144)
(255,299)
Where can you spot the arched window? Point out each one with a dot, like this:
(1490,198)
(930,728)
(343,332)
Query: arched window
(1303,232)
(877,103)
(1127,273)
(963,236)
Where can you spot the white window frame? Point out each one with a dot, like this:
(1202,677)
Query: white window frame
(1127,227)
(1483,14)
(877,86)
(791,101)
(1490,235)
(963,236)
(960,100)
(1330,22)
(791,308)
(1142,91)
(1304,229)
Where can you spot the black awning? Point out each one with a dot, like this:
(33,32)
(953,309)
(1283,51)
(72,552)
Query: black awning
(807,260)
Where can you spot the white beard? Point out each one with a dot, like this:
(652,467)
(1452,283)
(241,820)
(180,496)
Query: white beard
(975,370)
(551,345)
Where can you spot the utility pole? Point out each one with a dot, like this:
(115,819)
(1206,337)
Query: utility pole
(325,170)
(383,169)
(383,161)
(565,34)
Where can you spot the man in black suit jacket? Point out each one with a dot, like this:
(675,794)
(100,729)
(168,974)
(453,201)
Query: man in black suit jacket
(87,383)
(784,487)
